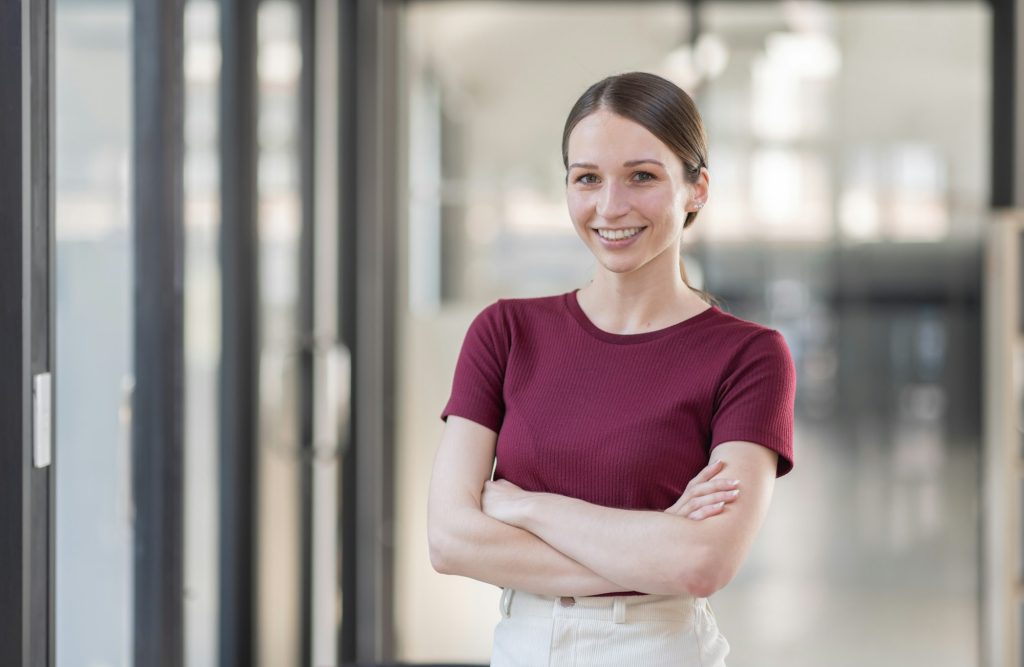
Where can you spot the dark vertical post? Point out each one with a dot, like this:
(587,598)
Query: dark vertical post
(307,285)
(378,312)
(157,417)
(26,337)
(14,396)
(42,340)
(348,31)
(364,458)
(1005,105)
(367,312)
(239,374)
(365,363)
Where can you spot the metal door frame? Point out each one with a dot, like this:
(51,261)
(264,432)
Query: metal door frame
(26,334)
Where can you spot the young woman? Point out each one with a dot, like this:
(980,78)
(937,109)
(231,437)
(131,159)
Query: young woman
(638,428)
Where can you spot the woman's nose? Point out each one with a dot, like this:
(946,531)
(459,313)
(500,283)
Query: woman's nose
(613,201)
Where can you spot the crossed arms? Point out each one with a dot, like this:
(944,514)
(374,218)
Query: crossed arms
(555,545)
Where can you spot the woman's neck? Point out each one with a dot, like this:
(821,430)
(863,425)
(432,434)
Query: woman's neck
(628,304)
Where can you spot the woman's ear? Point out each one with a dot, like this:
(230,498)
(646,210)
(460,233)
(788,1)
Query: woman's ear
(699,195)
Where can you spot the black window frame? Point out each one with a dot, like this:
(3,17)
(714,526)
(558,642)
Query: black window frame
(158,394)
(26,332)
(239,369)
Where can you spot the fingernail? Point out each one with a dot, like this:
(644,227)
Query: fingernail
(734,492)
(719,505)
(734,482)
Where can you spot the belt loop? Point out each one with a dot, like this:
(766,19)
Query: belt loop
(503,605)
(506,601)
(619,610)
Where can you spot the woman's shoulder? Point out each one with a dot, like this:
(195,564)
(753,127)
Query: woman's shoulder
(531,306)
(728,322)
(733,333)
(510,314)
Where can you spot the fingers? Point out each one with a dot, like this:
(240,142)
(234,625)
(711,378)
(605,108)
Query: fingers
(709,471)
(700,502)
(707,488)
(706,495)
(706,511)
(693,494)
(701,491)
(685,506)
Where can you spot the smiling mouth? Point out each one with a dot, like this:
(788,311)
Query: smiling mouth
(619,234)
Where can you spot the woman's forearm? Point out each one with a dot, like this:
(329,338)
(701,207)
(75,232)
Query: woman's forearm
(649,551)
(485,549)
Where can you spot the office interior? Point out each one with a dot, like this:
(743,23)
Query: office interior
(243,241)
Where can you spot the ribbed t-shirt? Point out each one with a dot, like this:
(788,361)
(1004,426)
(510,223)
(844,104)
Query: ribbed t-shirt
(619,420)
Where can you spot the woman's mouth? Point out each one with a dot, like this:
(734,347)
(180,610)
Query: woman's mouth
(619,238)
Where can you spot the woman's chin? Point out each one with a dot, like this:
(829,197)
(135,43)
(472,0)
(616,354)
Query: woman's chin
(620,265)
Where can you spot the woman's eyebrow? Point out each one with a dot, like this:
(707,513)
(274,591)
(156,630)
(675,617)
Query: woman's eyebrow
(629,163)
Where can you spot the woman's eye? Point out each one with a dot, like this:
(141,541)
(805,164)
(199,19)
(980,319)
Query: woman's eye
(648,176)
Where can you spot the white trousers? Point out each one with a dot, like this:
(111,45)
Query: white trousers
(613,631)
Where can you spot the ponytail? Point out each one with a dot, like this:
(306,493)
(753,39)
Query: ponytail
(706,296)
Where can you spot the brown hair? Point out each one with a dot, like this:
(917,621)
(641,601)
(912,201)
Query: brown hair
(664,109)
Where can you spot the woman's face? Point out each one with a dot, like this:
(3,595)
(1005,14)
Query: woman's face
(623,178)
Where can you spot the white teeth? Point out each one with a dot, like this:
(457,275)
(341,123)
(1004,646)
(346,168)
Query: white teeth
(618,234)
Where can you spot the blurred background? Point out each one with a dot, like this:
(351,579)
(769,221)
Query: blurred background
(357,179)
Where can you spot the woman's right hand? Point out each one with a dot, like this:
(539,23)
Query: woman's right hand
(704,496)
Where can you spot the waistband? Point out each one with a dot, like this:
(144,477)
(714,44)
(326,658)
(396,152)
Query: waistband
(617,608)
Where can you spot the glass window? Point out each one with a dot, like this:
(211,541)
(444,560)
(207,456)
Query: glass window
(94,325)
(202,330)
(279,65)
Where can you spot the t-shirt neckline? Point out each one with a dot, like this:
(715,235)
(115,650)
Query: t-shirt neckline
(573,306)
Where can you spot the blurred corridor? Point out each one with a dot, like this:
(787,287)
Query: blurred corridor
(269,224)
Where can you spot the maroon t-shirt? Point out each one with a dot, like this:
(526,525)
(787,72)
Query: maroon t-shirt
(620,420)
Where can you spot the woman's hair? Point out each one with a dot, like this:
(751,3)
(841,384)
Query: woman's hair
(658,105)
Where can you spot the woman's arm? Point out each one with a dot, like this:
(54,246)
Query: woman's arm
(465,541)
(650,551)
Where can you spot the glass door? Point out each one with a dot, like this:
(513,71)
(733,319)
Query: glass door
(279,462)
(94,327)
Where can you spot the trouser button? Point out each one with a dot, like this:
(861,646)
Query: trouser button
(567,600)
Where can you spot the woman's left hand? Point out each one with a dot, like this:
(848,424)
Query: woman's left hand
(504,501)
(705,496)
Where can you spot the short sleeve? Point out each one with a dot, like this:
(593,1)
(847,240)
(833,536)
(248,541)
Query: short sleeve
(755,401)
(478,383)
